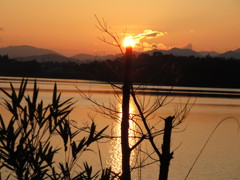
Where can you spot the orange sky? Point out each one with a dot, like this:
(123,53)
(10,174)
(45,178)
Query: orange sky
(68,26)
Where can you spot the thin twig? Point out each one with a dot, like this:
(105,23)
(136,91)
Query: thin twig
(208,139)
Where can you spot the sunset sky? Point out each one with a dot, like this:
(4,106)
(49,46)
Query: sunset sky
(68,26)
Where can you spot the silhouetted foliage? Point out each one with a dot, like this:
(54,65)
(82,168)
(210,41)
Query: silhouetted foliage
(28,146)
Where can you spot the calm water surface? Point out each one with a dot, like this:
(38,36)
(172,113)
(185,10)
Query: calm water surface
(219,160)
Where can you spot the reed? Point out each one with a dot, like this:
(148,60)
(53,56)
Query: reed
(27,150)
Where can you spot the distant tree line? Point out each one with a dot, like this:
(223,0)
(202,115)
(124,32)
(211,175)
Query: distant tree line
(156,69)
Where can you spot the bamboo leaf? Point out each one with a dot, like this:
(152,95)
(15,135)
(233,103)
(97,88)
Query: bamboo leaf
(6,93)
(14,95)
(3,127)
(22,89)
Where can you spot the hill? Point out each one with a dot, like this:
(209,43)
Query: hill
(188,52)
(89,57)
(183,52)
(230,54)
(206,53)
(47,58)
(176,52)
(29,52)
(24,51)
(237,50)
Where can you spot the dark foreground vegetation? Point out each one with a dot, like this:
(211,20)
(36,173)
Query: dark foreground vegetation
(151,69)
(37,134)
(40,141)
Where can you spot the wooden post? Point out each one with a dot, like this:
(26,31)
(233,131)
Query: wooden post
(126,174)
(166,155)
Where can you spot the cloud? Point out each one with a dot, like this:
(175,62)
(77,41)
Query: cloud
(149,34)
(163,46)
(154,46)
(143,43)
(147,46)
(146,35)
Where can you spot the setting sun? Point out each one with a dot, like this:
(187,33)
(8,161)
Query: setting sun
(128,41)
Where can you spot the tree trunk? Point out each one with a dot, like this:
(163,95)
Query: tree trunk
(166,155)
(126,175)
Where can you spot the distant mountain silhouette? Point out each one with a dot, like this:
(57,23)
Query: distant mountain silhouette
(188,52)
(88,57)
(24,51)
(184,52)
(176,52)
(206,53)
(29,52)
(47,58)
(231,54)
(151,52)
(84,57)
(237,50)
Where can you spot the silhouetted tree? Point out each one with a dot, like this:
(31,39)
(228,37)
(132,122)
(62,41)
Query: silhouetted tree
(144,113)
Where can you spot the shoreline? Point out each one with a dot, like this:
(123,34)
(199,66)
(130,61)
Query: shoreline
(145,89)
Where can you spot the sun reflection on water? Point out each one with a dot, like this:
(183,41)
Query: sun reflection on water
(115,158)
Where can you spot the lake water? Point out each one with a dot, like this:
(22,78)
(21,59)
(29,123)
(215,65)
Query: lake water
(219,160)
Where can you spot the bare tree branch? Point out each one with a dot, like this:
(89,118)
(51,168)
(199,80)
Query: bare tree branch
(103,27)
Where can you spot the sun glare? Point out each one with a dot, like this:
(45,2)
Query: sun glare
(115,158)
(128,41)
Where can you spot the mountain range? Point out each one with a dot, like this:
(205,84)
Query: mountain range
(25,53)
